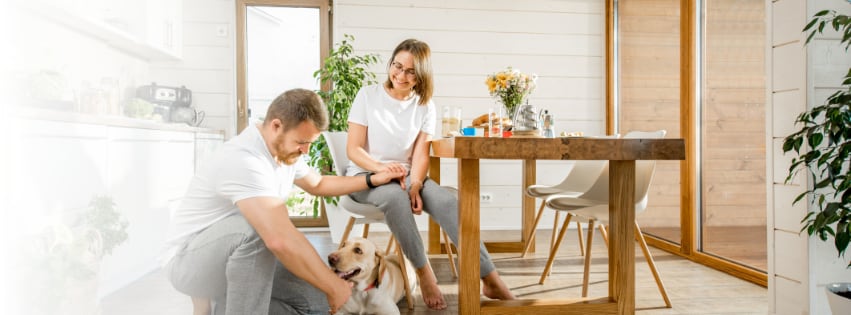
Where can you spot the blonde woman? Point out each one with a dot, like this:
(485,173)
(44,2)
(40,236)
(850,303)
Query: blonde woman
(390,127)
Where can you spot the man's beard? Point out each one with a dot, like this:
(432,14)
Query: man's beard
(289,158)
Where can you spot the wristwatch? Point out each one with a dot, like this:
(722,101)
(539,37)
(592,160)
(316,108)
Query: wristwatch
(369,180)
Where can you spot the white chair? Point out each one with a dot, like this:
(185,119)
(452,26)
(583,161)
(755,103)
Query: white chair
(581,176)
(367,214)
(593,204)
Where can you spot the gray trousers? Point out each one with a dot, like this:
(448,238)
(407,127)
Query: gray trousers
(440,203)
(229,264)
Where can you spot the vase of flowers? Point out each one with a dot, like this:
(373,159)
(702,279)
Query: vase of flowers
(510,87)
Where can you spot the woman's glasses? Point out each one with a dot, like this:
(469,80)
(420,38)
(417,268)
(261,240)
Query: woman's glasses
(398,68)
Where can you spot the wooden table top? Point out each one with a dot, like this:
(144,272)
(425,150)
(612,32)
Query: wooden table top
(581,148)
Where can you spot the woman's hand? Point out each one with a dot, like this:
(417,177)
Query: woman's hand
(416,198)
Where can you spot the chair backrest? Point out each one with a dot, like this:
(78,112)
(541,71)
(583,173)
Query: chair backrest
(584,173)
(336,141)
(644,170)
(337,146)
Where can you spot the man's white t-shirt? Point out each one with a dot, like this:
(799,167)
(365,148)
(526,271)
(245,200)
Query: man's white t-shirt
(243,168)
(393,125)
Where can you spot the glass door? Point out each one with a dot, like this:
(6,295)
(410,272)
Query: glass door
(732,216)
(697,70)
(280,44)
(648,56)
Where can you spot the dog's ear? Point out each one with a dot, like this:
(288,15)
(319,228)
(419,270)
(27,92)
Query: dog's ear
(381,264)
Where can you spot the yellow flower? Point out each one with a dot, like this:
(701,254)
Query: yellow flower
(491,84)
(510,86)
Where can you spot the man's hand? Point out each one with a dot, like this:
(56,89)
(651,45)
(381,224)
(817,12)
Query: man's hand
(416,198)
(341,293)
(390,172)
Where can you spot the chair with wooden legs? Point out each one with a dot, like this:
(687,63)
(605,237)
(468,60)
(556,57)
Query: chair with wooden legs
(581,176)
(593,205)
(366,214)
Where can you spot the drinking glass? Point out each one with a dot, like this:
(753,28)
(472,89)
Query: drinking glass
(495,122)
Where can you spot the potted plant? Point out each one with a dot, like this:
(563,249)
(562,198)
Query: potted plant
(346,74)
(823,147)
(67,254)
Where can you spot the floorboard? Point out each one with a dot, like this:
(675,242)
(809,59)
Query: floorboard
(693,288)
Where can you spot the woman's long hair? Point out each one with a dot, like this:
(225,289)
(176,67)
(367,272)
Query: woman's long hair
(422,66)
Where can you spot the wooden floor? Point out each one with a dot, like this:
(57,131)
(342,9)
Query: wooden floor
(693,288)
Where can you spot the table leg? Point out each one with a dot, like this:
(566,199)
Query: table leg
(434,228)
(468,235)
(528,219)
(621,230)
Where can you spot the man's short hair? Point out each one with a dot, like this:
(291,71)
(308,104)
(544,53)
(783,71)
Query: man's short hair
(296,106)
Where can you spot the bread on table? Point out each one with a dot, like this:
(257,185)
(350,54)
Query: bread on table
(482,121)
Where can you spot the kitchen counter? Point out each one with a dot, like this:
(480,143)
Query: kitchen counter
(106,120)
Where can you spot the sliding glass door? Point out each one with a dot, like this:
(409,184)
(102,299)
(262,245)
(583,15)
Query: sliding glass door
(732,216)
(697,69)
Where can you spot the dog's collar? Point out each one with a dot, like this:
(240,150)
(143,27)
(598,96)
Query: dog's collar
(372,286)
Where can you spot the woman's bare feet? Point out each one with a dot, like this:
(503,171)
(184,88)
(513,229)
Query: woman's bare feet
(494,288)
(429,289)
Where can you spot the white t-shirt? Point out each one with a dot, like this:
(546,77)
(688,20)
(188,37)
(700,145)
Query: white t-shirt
(243,168)
(393,125)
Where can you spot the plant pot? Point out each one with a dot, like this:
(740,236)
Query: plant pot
(839,297)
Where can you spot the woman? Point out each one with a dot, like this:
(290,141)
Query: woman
(390,127)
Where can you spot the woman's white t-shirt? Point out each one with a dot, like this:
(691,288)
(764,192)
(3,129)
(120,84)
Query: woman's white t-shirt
(392,125)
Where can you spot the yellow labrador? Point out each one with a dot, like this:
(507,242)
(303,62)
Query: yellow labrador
(378,283)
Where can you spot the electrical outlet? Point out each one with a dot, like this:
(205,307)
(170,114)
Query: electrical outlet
(486,198)
(222,30)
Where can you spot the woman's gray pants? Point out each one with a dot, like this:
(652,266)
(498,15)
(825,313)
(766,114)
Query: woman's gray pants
(229,264)
(439,202)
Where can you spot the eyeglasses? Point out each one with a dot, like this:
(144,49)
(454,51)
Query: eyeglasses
(398,68)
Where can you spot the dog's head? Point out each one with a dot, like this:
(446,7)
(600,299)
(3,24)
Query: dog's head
(358,261)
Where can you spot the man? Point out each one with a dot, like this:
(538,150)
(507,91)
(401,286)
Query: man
(233,224)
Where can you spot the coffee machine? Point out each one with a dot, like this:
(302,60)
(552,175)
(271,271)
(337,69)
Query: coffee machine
(173,104)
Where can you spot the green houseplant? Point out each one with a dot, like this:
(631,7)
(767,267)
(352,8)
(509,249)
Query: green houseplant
(66,256)
(346,73)
(826,131)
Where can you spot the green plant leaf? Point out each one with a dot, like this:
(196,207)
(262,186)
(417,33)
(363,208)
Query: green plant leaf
(810,25)
(345,74)
(815,139)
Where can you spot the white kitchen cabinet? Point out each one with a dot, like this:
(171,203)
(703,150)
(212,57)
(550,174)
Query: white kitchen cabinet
(65,163)
(149,29)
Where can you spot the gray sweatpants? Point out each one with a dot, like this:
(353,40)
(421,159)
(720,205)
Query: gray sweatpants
(229,264)
(439,202)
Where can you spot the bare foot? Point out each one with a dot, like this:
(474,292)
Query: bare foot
(201,306)
(429,289)
(494,288)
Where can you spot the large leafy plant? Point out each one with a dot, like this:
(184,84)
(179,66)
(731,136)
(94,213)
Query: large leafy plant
(68,252)
(346,73)
(826,131)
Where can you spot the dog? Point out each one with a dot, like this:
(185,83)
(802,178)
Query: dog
(378,279)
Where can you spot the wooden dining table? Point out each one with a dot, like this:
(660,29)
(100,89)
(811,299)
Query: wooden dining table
(621,154)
